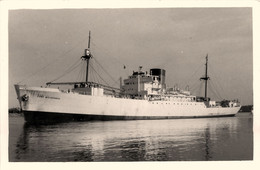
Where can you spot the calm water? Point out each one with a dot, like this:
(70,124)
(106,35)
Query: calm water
(143,140)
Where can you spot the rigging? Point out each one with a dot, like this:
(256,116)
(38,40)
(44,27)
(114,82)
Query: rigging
(90,71)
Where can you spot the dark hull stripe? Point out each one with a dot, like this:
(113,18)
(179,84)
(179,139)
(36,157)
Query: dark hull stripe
(52,117)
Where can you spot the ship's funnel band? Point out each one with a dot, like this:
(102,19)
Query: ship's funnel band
(160,73)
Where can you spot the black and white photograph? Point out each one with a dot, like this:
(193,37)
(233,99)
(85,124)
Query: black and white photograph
(130,84)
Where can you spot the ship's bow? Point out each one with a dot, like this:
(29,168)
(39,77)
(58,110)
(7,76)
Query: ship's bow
(17,89)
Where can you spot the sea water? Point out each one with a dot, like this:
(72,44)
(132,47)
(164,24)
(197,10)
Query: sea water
(202,139)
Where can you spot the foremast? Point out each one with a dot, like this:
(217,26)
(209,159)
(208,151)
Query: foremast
(206,78)
(87,56)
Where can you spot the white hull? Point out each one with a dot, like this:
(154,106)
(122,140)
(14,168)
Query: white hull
(53,101)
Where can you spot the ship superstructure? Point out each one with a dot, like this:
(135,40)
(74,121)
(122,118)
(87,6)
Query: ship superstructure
(151,86)
(143,95)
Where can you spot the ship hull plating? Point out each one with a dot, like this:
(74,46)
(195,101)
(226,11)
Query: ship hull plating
(41,105)
(34,117)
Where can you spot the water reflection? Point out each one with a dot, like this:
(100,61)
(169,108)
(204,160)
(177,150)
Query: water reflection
(22,143)
(207,144)
(148,140)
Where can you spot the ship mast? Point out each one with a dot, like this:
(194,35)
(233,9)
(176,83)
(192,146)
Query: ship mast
(206,78)
(87,56)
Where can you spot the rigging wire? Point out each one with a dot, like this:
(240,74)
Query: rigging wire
(211,90)
(81,72)
(118,81)
(104,70)
(217,80)
(107,53)
(211,84)
(195,86)
(91,74)
(200,89)
(215,89)
(194,73)
(94,76)
(73,67)
(52,62)
(190,81)
(99,75)
(97,79)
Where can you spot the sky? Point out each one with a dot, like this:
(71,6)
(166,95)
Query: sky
(43,44)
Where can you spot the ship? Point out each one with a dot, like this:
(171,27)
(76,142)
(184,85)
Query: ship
(142,95)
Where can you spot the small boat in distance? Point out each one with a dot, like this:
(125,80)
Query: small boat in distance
(143,95)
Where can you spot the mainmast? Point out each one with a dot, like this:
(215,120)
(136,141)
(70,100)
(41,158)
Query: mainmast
(87,56)
(206,78)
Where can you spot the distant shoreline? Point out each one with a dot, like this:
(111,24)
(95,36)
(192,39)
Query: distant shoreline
(246,108)
(16,110)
